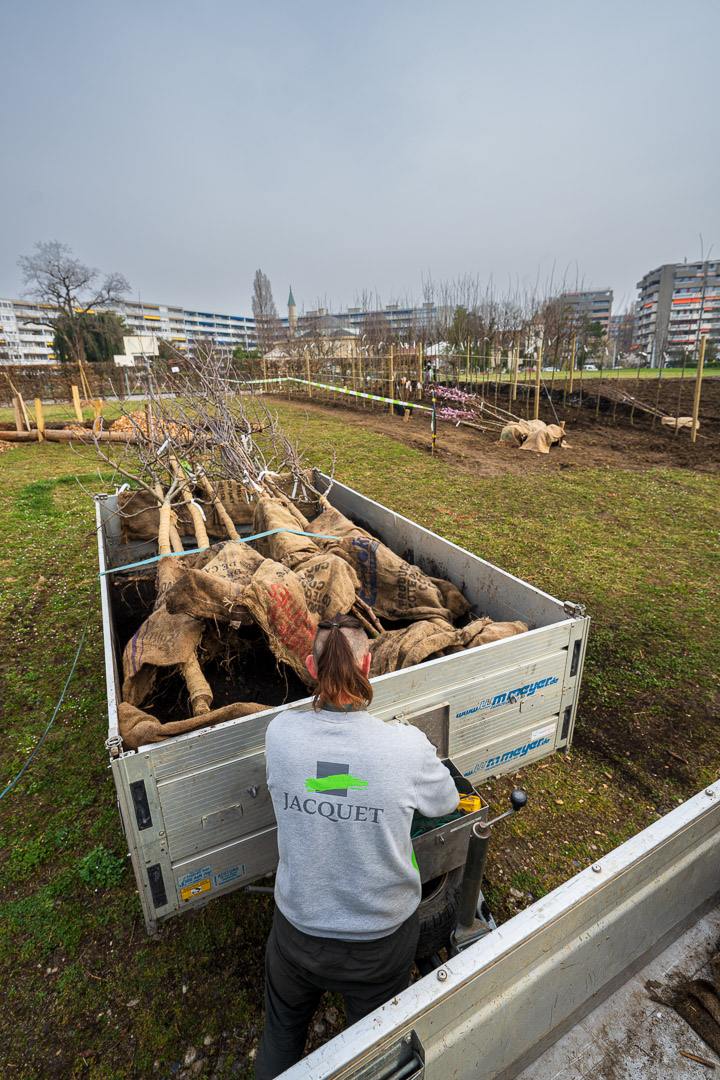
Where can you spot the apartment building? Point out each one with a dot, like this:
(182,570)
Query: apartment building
(23,339)
(399,318)
(677,304)
(595,306)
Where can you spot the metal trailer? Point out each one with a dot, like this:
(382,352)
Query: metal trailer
(196,809)
(560,991)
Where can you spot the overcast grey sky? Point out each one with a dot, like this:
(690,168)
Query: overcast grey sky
(347,146)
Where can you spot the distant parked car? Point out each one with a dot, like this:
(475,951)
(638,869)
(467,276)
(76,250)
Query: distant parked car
(591,367)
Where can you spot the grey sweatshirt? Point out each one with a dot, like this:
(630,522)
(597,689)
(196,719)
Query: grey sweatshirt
(344,787)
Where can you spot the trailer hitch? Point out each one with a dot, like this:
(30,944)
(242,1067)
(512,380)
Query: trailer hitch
(472,922)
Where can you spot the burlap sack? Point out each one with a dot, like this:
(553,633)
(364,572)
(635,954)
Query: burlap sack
(163,640)
(284,547)
(483,631)
(393,587)
(538,442)
(217,592)
(329,585)
(424,640)
(512,435)
(276,601)
(677,421)
(454,600)
(213,592)
(516,433)
(138,728)
(139,512)
(140,516)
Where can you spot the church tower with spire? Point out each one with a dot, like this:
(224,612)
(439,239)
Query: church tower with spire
(292,314)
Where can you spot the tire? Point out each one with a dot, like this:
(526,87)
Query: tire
(438,912)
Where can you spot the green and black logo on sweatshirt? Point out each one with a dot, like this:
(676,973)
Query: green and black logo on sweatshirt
(333,778)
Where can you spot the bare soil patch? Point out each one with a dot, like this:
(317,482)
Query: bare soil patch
(616,438)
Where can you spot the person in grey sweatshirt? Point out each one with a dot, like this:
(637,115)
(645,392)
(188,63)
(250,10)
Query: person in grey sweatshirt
(344,787)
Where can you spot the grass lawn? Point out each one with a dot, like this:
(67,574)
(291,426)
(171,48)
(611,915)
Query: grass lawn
(86,993)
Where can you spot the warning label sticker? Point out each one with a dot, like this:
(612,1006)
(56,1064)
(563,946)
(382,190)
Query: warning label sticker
(195,890)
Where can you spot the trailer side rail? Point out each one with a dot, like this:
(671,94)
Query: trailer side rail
(491,1010)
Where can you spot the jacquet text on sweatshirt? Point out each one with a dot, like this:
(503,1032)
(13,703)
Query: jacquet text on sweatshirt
(344,787)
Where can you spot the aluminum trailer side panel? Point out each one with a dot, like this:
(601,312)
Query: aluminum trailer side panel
(494,1008)
(196,810)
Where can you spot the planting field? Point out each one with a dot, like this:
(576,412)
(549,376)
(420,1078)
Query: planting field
(625,521)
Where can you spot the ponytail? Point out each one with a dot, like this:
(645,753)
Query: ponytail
(340,679)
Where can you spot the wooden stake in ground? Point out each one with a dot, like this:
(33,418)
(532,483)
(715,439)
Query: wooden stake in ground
(391,380)
(84,382)
(538,362)
(25,413)
(76,403)
(680,390)
(597,396)
(657,392)
(40,419)
(19,421)
(307,371)
(698,389)
(516,364)
(572,366)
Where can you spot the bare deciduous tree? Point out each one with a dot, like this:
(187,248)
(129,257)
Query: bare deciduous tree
(267,324)
(52,275)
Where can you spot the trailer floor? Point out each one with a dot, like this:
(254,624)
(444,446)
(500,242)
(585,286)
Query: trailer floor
(628,1036)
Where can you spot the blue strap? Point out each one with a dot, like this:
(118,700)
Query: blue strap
(194,551)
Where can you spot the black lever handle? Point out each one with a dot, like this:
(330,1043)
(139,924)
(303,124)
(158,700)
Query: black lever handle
(518,800)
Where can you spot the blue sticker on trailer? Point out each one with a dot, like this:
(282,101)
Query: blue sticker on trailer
(503,699)
(226,876)
(509,755)
(194,876)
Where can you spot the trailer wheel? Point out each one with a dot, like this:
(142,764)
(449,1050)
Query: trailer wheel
(438,912)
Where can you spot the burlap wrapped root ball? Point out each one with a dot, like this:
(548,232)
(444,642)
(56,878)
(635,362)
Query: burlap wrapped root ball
(432,638)
(326,579)
(138,728)
(164,639)
(534,435)
(394,588)
(139,509)
(424,640)
(287,605)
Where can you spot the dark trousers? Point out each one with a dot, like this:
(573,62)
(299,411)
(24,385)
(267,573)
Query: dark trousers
(298,968)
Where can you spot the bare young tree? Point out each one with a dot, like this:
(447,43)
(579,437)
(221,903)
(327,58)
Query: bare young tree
(267,324)
(52,275)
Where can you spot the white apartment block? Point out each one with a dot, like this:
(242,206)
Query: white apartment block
(23,339)
(678,303)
